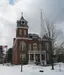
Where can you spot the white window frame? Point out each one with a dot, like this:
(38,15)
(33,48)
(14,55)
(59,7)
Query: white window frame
(34,46)
(47,46)
(20,32)
(29,46)
(40,47)
(24,32)
(23,56)
(22,46)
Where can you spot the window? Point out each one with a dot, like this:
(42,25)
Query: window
(34,46)
(23,56)
(29,47)
(47,46)
(20,32)
(40,47)
(24,32)
(22,46)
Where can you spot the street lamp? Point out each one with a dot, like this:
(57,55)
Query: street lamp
(21,63)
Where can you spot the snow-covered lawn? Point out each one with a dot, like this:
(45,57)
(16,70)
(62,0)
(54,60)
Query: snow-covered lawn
(31,70)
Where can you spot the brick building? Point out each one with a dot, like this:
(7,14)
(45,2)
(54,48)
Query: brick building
(29,47)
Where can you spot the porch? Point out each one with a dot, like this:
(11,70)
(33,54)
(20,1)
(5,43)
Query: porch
(39,57)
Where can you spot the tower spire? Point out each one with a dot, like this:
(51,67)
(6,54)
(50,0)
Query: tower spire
(22,14)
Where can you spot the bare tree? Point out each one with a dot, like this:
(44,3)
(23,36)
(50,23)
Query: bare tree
(48,30)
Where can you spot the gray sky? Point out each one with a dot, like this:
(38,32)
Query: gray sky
(52,9)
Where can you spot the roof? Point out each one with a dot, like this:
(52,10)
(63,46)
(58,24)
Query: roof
(33,35)
(22,19)
(36,36)
(22,22)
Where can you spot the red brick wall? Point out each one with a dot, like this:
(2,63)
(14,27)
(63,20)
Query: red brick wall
(18,35)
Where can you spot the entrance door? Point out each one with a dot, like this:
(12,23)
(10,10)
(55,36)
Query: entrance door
(31,57)
(43,57)
(37,57)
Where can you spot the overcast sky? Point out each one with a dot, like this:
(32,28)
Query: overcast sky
(10,12)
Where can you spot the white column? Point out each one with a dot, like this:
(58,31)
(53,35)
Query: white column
(34,57)
(29,58)
(40,58)
(45,59)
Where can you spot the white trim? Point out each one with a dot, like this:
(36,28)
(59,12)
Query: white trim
(45,60)
(42,39)
(23,27)
(23,38)
(36,52)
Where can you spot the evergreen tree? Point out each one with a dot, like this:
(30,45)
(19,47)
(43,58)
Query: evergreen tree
(1,54)
(9,55)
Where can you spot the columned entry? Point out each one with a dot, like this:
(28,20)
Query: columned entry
(40,58)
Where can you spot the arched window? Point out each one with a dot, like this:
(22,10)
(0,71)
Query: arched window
(22,46)
(34,46)
(24,32)
(20,32)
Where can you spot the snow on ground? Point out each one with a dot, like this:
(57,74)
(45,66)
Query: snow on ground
(31,70)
